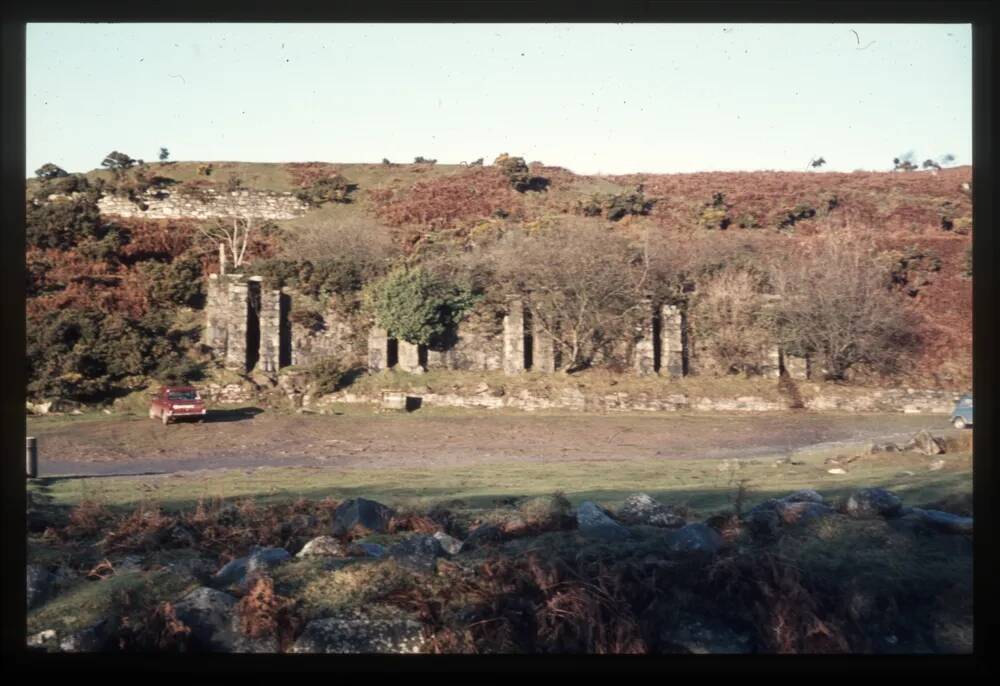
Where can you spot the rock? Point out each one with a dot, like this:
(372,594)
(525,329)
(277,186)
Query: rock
(326,546)
(836,470)
(180,536)
(369,549)
(92,639)
(344,636)
(927,444)
(208,613)
(797,512)
(483,534)
(361,516)
(594,522)
(514,526)
(237,571)
(38,584)
(695,538)
(418,553)
(763,520)
(451,545)
(640,508)
(42,639)
(806,495)
(707,637)
(936,465)
(944,521)
(873,502)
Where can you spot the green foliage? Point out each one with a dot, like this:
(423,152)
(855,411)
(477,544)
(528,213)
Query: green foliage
(326,376)
(415,306)
(164,154)
(423,160)
(327,189)
(715,215)
(118,162)
(968,261)
(340,274)
(86,354)
(174,283)
(63,223)
(516,171)
(50,171)
(615,206)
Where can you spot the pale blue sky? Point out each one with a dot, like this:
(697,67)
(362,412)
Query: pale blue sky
(596,98)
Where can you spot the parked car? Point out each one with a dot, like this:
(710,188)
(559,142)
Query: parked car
(961,416)
(177,402)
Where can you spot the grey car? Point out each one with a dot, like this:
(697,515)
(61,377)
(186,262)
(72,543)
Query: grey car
(961,416)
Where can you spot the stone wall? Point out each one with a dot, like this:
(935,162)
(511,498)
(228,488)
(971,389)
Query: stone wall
(207,204)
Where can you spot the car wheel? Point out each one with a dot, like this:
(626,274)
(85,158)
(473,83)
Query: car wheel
(958,423)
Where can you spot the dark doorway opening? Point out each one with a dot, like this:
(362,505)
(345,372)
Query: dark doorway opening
(284,331)
(391,353)
(529,340)
(253,324)
(657,343)
(422,355)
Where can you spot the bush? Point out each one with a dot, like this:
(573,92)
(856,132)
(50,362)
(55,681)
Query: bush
(308,319)
(615,206)
(174,283)
(729,319)
(50,171)
(417,307)
(63,223)
(516,171)
(326,376)
(328,189)
(118,162)
(423,160)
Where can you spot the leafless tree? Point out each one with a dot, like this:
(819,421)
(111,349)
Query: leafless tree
(729,318)
(234,237)
(582,282)
(837,307)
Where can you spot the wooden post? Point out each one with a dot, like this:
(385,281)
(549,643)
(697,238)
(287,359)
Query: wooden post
(31,456)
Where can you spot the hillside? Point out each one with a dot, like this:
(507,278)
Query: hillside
(921,222)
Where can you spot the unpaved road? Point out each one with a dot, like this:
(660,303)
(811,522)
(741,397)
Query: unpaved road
(241,439)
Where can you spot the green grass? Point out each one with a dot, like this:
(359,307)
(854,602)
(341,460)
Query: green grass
(703,485)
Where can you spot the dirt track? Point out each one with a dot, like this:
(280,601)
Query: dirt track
(361,440)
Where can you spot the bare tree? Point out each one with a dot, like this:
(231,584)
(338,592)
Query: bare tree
(235,237)
(729,317)
(837,307)
(582,283)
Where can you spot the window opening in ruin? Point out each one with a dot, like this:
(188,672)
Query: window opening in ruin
(284,331)
(657,343)
(529,340)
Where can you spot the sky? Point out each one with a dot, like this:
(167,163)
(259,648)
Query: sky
(595,98)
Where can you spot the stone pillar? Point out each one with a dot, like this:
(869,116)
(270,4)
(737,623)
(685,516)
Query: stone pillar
(796,366)
(378,349)
(644,355)
(772,365)
(270,330)
(437,359)
(237,311)
(216,320)
(409,358)
(671,341)
(543,350)
(513,337)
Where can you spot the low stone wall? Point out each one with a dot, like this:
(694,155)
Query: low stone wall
(207,204)
(881,401)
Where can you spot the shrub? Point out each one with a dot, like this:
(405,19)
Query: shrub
(328,189)
(174,283)
(63,223)
(729,319)
(49,171)
(516,171)
(423,160)
(308,319)
(615,206)
(118,162)
(968,261)
(415,306)
(326,376)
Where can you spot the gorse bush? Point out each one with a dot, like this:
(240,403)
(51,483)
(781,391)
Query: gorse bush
(333,188)
(414,305)
(64,223)
(326,376)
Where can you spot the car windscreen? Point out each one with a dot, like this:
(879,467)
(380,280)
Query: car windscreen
(182,395)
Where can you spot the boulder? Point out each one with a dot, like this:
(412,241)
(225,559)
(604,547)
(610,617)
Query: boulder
(594,522)
(361,516)
(695,538)
(482,535)
(451,545)
(873,502)
(368,549)
(325,546)
(943,521)
(418,553)
(345,636)
(763,520)
(806,495)
(640,508)
(237,571)
(38,583)
(208,613)
(798,512)
(92,639)
(43,639)
(927,444)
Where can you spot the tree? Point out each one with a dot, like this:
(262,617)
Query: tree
(118,162)
(582,281)
(164,154)
(235,238)
(414,306)
(836,306)
(49,171)
(516,171)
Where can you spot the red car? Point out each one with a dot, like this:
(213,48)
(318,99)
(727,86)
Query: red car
(177,402)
